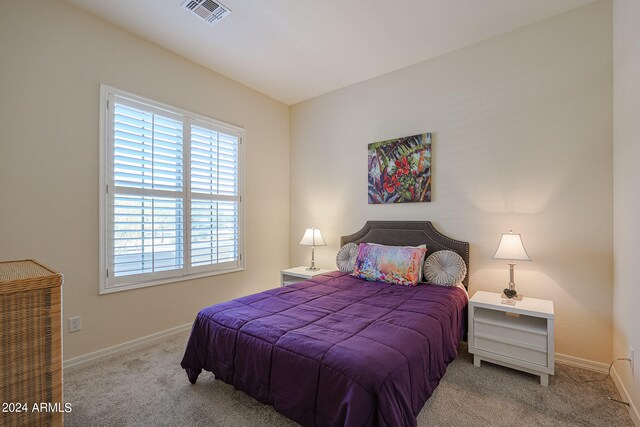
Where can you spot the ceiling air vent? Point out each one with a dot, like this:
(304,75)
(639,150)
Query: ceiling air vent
(208,10)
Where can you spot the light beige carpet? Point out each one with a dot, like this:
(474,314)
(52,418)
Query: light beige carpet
(147,387)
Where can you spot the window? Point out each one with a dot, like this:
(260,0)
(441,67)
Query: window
(171,205)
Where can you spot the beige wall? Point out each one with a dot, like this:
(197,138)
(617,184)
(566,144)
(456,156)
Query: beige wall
(626,179)
(522,140)
(522,130)
(52,59)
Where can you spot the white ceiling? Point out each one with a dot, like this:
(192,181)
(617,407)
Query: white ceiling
(293,50)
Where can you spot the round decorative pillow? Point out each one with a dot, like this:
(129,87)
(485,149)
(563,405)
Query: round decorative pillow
(346,258)
(445,268)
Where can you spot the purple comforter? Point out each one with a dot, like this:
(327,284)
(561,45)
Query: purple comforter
(333,350)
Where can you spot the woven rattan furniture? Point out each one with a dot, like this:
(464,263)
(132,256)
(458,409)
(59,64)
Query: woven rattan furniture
(30,344)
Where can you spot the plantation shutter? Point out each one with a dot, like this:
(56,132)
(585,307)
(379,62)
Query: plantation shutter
(215,199)
(173,195)
(148,195)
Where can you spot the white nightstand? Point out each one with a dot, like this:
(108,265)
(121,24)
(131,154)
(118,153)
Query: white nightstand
(517,336)
(298,274)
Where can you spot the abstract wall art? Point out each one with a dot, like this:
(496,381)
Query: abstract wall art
(400,170)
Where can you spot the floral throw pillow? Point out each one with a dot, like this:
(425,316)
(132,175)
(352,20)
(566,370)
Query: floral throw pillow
(401,265)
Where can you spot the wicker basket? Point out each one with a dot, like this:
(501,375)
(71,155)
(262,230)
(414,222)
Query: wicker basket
(30,344)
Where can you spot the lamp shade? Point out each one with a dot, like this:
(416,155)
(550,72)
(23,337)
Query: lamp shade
(312,237)
(511,248)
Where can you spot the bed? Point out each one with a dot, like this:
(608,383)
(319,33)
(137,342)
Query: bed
(338,350)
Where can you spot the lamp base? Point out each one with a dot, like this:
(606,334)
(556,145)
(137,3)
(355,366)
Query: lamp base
(510,300)
(312,269)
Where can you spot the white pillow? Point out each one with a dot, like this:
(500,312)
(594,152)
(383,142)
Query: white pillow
(445,268)
(346,258)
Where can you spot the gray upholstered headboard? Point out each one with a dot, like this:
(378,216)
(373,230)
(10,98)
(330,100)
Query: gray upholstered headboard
(409,233)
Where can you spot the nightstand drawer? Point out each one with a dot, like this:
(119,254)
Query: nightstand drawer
(517,336)
(502,347)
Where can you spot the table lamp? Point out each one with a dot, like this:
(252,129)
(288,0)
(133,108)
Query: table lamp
(512,249)
(312,237)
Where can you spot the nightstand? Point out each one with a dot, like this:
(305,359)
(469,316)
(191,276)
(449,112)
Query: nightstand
(298,274)
(517,336)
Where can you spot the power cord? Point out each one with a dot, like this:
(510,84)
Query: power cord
(603,379)
(618,401)
(599,379)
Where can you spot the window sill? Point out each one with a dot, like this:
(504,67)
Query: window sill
(119,288)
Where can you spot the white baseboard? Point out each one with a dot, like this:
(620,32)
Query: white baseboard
(633,410)
(125,346)
(582,363)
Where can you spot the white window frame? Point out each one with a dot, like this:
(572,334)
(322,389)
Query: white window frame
(108,283)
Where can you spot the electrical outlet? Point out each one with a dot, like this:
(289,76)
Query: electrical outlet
(633,360)
(74,324)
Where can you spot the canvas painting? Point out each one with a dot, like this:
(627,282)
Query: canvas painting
(400,170)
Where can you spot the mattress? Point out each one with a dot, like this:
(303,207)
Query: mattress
(333,350)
